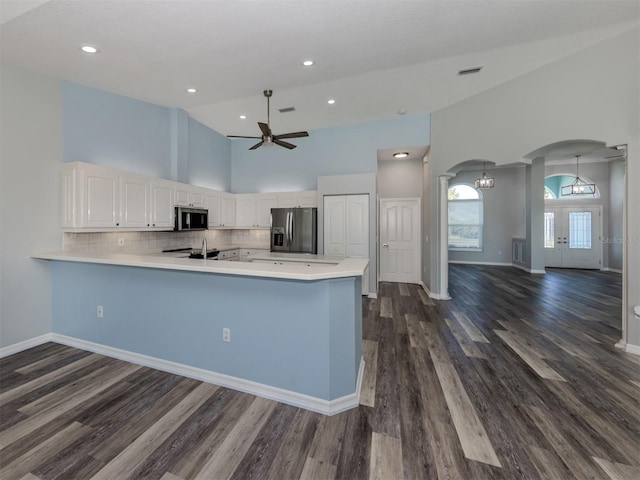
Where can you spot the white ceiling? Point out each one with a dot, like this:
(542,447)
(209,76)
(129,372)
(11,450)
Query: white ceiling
(374,57)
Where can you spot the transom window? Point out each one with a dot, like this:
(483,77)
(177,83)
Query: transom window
(465,218)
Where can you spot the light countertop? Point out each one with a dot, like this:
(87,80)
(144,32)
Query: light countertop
(294,266)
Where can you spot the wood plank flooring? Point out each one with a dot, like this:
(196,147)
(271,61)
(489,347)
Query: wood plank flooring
(516,377)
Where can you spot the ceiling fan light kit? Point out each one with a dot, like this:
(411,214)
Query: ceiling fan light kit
(268,138)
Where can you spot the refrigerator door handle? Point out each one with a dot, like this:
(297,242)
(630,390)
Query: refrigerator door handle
(290,227)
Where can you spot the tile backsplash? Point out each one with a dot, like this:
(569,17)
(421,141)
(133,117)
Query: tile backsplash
(145,242)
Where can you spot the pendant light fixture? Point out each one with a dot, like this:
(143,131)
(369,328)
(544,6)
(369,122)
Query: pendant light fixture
(484,182)
(579,186)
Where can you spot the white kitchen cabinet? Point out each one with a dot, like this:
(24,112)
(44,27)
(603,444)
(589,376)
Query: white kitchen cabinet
(135,197)
(298,199)
(246,252)
(254,210)
(246,210)
(189,196)
(213,203)
(264,203)
(91,196)
(230,255)
(228,210)
(346,228)
(162,207)
(100,199)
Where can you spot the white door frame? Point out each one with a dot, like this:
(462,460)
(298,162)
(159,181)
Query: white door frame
(418,203)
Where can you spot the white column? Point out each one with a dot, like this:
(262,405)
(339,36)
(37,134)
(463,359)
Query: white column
(443,241)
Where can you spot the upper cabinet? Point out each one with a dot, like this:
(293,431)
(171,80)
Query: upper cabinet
(96,198)
(189,196)
(99,198)
(213,203)
(298,199)
(228,210)
(254,209)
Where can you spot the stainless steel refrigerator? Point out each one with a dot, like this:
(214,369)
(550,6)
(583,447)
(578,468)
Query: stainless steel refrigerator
(294,230)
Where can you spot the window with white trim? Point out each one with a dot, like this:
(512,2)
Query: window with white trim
(465,218)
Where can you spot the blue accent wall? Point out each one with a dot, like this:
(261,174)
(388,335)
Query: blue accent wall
(209,157)
(340,150)
(115,131)
(295,335)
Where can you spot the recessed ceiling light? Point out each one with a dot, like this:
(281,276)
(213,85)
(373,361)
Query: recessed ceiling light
(89,49)
(191,90)
(401,155)
(331,102)
(308,63)
(402,111)
(243,117)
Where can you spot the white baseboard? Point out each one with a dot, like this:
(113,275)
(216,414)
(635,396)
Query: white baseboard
(373,295)
(435,296)
(614,270)
(497,264)
(528,270)
(326,407)
(24,345)
(629,348)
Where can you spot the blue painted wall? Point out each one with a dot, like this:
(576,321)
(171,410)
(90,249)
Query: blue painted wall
(299,336)
(209,157)
(115,131)
(328,151)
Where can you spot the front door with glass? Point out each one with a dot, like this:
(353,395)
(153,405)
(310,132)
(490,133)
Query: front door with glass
(572,237)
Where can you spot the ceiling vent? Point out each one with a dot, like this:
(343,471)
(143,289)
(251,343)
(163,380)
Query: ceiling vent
(469,71)
(287,109)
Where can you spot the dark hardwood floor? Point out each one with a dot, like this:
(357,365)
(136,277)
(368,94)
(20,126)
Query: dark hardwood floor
(516,377)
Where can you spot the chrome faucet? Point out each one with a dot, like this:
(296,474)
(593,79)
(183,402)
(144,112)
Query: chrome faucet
(204,248)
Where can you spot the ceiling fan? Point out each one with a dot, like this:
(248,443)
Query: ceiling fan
(268,138)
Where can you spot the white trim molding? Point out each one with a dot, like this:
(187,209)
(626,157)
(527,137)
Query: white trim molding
(629,348)
(435,296)
(325,407)
(614,270)
(496,264)
(24,345)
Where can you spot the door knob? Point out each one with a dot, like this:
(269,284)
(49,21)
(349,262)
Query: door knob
(385,245)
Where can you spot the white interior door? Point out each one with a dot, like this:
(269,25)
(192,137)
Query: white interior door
(572,237)
(335,235)
(400,240)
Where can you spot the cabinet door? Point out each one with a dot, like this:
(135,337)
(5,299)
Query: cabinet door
(228,211)
(245,211)
(334,225)
(307,199)
(214,205)
(182,195)
(162,210)
(100,198)
(69,199)
(264,204)
(197,197)
(287,200)
(134,201)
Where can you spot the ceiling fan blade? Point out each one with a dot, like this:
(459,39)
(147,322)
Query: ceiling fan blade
(264,128)
(288,145)
(292,135)
(240,136)
(257,145)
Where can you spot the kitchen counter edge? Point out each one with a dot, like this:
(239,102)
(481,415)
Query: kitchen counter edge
(348,267)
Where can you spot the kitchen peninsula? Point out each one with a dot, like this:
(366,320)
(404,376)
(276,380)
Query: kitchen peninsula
(295,326)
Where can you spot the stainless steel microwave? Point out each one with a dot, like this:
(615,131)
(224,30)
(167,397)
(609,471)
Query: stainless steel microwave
(189,218)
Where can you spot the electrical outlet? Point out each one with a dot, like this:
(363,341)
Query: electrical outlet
(121,242)
(100,311)
(226,335)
